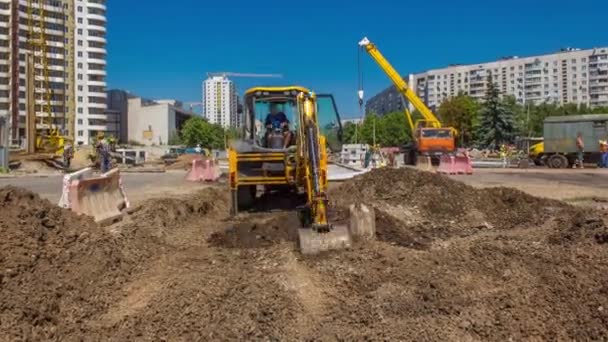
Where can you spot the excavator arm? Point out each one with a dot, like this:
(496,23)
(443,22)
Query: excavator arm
(430,119)
(313,164)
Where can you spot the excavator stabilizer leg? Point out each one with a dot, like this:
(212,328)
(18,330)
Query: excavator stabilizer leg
(362,222)
(314,242)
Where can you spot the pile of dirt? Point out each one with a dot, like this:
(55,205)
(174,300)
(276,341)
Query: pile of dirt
(257,233)
(57,269)
(437,207)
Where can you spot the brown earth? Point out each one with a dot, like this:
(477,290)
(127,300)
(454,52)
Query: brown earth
(450,263)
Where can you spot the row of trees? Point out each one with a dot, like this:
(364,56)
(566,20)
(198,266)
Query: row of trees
(494,121)
(197,131)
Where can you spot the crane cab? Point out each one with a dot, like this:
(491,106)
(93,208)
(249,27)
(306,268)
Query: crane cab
(435,141)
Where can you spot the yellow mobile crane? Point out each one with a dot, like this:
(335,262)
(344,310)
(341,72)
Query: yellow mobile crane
(259,161)
(429,136)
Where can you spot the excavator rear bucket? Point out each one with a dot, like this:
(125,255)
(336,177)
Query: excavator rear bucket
(315,242)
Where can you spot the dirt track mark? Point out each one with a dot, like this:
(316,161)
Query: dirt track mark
(139,293)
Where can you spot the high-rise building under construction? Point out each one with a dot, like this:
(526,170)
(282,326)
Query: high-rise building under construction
(66,41)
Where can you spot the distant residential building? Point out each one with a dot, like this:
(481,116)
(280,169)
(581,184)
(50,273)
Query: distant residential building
(351,120)
(387,101)
(220,101)
(75,33)
(568,76)
(89,69)
(147,121)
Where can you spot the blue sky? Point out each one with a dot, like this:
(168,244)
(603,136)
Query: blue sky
(161,52)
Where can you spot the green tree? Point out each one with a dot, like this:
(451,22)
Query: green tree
(496,125)
(175,138)
(395,129)
(460,112)
(198,131)
(350,132)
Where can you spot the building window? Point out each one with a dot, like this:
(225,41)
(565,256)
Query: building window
(583,59)
(79,65)
(80,77)
(80,88)
(80,121)
(80,133)
(79,110)
(80,20)
(80,99)
(80,31)
(79,53)
(80,9)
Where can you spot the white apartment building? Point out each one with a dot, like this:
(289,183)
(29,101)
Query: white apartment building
(76,55)
(90,74)
(14,48)
(220,102)
(569,76)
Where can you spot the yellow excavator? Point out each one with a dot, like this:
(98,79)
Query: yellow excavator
(263,162)
(430,137)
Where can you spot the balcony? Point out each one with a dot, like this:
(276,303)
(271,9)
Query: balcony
(96,17)
(97,105)
(97,4)
(99,39)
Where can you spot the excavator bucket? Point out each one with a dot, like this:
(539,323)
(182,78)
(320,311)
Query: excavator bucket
(362,227)
(315,242)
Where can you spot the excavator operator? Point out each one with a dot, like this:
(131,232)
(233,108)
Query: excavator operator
(277,120)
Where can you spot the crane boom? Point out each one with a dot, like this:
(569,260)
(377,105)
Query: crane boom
(402,86)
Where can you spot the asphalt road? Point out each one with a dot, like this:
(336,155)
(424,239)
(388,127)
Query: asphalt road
(138,186)
(558,184)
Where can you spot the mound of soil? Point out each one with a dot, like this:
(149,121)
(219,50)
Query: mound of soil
(437,207)
(259,233)
(57,269)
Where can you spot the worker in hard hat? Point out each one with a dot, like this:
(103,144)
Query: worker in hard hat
(604,151)
(504,155)
(68,155)
(103,151)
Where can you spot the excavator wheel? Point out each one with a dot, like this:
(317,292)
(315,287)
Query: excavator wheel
(313,241)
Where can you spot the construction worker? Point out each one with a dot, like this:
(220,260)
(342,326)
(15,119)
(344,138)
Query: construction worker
(103,151)
(68,155)
(580,149)
(604,150)
(277,118)
(198,149)
(504,156)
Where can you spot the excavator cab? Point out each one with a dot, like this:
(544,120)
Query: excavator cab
(255,162)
